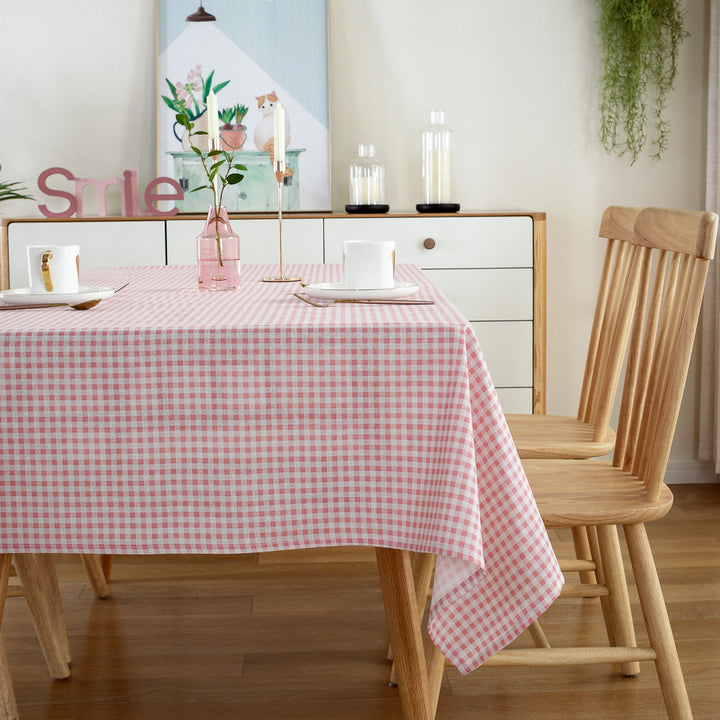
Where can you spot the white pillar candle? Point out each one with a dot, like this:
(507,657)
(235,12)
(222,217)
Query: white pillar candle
(369,190)
(442,164)
(365,190)
(279,120)
(213,121)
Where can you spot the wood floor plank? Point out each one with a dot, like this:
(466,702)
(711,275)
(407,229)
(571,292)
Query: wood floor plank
(301,636)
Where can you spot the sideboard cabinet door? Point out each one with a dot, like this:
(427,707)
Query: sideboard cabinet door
(485,267)
(102,243)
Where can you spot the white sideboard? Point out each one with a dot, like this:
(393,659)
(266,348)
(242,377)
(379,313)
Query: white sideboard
(492,266)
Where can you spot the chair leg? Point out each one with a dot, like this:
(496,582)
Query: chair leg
(39,589)
(619,610)
(435,662)
(8,706)
(538,635)
(658,624)
(592,536)
(582,552)
(96,574)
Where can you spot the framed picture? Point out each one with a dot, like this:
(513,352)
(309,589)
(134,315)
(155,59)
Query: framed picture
(253,54)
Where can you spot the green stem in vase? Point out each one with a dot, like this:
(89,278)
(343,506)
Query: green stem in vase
(221,168)
(217,202)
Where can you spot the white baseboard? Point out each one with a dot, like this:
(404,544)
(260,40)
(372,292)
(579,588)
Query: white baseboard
(684,472)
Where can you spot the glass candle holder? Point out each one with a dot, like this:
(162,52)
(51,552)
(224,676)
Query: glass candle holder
(437,148)
(367,183)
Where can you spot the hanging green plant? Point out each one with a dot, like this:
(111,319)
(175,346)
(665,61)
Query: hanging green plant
(639,44)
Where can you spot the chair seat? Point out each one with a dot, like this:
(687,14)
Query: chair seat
(570,493)
(557,436)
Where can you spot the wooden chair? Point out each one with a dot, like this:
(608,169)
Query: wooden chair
(669,267)
(589,434)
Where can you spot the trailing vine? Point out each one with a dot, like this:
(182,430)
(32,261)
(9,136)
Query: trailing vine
(639,44)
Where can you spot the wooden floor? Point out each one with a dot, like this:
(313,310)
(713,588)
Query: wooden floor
(300,636)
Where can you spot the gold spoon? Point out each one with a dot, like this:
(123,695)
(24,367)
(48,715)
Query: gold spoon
(92,303)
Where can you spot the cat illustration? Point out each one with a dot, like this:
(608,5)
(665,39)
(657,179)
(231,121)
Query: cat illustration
(265,129)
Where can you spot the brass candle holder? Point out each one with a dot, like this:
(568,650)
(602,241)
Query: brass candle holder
(279,169)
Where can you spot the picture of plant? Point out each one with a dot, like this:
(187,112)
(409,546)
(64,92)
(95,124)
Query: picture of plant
(253,55)
(183,98)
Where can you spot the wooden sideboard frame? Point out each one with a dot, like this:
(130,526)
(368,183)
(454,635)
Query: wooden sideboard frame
(539,265)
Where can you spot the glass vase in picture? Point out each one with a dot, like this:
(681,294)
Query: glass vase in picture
(218,253)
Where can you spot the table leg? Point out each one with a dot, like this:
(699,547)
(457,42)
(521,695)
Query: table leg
(106,562)
(8,706)
(403,622)
(423,565)
(97,574)
(37,574)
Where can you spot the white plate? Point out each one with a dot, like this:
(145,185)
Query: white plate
(338,291)
(25,296)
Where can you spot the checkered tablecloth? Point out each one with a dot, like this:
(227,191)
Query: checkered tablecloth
(173,420)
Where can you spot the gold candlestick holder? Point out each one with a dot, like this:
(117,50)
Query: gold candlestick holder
(279,169)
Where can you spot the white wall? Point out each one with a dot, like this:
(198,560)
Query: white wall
(518,82)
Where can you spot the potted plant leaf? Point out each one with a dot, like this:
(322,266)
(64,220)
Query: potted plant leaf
(639,44)
(232,131)
(12,191)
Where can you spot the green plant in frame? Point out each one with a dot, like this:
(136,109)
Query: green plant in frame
(233,116)
(190,98)
(639,45)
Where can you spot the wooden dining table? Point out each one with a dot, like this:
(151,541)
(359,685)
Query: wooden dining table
(173,420)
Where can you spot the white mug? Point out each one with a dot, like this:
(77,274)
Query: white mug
(369,264)
(54,268)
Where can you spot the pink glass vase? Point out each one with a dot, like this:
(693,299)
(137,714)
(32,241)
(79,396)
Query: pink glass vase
(218,253)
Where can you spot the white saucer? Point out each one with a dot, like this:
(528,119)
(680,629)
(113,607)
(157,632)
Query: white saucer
(338,291)
(25,296)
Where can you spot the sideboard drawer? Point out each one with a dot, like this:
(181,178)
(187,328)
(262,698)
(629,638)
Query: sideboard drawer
(259,242)
(441,242)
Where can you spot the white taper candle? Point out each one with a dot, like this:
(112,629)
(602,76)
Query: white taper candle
(213,121)
(279,121)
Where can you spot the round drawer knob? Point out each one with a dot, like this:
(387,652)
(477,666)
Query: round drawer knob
(429,243)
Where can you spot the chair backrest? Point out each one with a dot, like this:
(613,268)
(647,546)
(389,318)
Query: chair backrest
(671,259)
(611,323)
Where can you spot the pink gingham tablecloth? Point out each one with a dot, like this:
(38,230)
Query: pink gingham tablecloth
(173,420)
